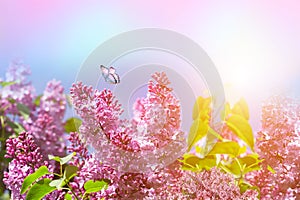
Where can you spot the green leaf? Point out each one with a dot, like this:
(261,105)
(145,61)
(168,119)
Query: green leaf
(37,100)
(70,172)
(11,100)
(68,196)
(43,170)
(7,83)
(67,158)
(56,158)
(95,186)
(17,127)
(241,128)
(39,190)
(24,110)
(241,108)
(230,147)
(58,183)
(62,160)
(72,124)
(198,130)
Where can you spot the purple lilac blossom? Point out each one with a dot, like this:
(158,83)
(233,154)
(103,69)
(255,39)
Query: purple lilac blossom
(26,158)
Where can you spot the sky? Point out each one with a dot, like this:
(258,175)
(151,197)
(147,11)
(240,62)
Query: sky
(254,45)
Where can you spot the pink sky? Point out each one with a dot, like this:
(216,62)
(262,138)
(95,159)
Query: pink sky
(254,44)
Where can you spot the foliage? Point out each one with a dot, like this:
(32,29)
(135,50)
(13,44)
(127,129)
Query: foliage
(233,149)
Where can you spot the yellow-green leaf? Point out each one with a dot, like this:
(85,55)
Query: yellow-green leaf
(39,190)
(207,162)
(95,186)
(233,168)
(72,125)
(43,170)
(68,196)
(37,100)
(7,83)
(230,147)
(241,108)
(198,130)
(192,162)
(241,128)
(251,162)
(250,159)
(202,108)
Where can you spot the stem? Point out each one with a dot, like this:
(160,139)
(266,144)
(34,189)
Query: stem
(72,191)
(241,170)
(61,174)
(217,135)
(2,126)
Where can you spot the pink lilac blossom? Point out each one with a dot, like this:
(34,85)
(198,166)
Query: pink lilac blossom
(53,101)
(137,144)
(173,183)
(278,143)
(26,158)
(21,92)
(89,168)
(47,126)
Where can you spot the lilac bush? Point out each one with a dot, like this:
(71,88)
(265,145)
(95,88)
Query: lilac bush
(138,158)
(22,110)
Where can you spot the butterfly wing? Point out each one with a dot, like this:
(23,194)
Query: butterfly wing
(104,70)
(112,70)
(110,75)
(113,78)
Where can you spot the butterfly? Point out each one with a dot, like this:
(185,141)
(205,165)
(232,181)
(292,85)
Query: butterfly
(110,75)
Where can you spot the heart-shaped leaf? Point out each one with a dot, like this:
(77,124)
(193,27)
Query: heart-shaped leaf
(43,170)
(241,128)
(94,186)
(39,190)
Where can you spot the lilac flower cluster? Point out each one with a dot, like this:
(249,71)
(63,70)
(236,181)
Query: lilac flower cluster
(151,139)
(21,91)
(89,168)
(278,143)
(47,126)
(26,158)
